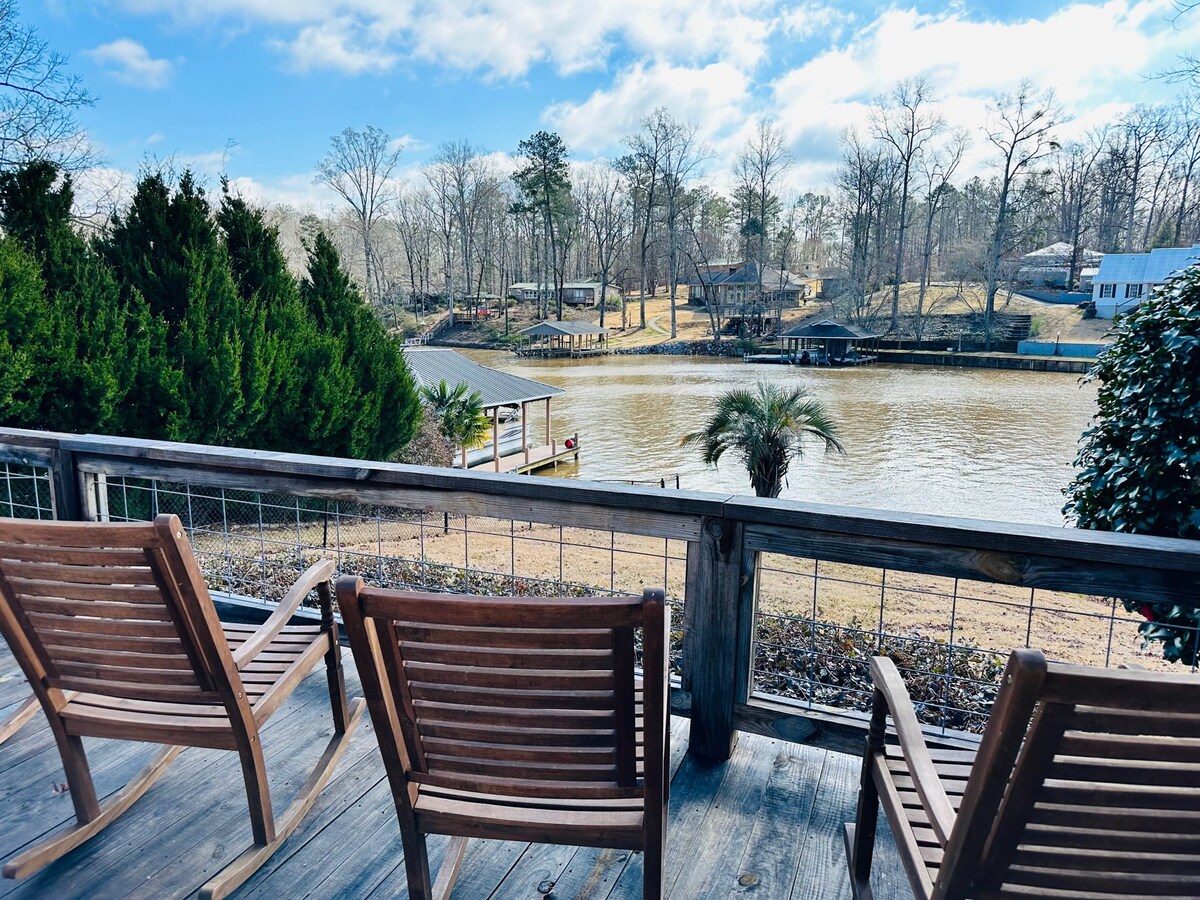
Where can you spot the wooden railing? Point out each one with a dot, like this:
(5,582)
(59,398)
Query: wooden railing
(725,536)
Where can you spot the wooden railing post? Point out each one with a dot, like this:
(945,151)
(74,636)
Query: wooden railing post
(719,601)
(66,486)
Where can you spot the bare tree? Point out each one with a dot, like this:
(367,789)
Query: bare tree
(937,167)
(761,163)
(641,167)
(1020,127)
(681,156)
(1186,162)
(468,185)
(605,208)
(38,99)
(866,182)
(1075,171)
(439,200)
(1144,128)
(359,169)
(904,122)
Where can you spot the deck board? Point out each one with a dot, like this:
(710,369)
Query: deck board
(767,822)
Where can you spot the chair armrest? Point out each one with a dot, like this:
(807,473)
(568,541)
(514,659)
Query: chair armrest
(269,630)
(912,746)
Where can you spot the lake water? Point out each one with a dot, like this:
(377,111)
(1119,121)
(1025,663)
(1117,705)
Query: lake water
(980,443)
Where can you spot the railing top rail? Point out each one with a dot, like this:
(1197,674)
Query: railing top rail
(881,527)
(985,535)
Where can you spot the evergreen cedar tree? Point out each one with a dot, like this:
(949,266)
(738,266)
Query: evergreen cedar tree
(1139,465)
(182,324)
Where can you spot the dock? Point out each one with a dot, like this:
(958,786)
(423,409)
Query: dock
(532,459)
(1070,365)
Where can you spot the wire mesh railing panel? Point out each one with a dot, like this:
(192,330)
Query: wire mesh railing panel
(25,492)
(818,623)
(255,543)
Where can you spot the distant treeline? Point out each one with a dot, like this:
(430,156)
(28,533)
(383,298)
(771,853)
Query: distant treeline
(182,322)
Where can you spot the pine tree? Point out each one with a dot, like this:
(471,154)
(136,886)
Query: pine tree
(89,359)
(379,411)
(24,325)
(167,249)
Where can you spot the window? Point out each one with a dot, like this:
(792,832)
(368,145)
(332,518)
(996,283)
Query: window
(1108,290)
(1133,290)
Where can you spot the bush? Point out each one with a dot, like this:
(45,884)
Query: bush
(1139,466)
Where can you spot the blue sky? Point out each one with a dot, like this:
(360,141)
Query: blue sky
(255,88)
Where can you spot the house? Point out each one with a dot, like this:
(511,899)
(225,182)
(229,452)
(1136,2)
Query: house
(737,284)
(1051,266)
(575,293)
(1124,279)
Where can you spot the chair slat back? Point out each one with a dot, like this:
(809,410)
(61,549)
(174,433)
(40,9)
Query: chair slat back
(529,696)
(115,610)
(1104,795)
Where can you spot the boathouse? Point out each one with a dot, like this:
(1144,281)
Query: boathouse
(573,339)
(507,401)
(828,343)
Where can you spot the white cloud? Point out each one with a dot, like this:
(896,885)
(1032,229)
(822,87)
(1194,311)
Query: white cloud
(806,20)
(300,191)
(713,97)
(1093,56)
(131,63)
(499,39)
(342,44)
(409,143)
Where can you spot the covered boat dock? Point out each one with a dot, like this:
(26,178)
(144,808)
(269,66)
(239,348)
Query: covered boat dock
(827,343)
(506,401)
(557,339)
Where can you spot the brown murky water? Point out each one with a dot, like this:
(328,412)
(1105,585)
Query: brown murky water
(979,443)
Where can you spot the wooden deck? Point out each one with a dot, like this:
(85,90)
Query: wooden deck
(767,823)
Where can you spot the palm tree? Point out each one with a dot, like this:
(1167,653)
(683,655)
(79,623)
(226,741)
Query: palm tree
(767,427)
(459,414)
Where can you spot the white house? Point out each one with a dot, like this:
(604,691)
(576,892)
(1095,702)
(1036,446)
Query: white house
(575,293)
(1051,266)
(1124,279)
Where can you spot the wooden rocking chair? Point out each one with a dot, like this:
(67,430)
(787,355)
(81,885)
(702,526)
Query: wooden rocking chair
(1086,784)
(516,718)
(116,632)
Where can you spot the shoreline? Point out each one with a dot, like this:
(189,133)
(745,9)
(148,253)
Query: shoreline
(949,359)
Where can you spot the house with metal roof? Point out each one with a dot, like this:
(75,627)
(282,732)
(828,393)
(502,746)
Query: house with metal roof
(736,284)
(506,400)
(1123,280)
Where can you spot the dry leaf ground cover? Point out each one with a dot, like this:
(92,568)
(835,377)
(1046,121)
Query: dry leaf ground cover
(818,622)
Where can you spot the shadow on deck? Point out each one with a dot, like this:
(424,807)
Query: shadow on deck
(767,823)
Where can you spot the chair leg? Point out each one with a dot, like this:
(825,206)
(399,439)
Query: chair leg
(451,864)
(37,858)
(860,836)
(416,865)
(859,889)
(13,723)
(652,872)
(333,660)
(258,792)
(249,862)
